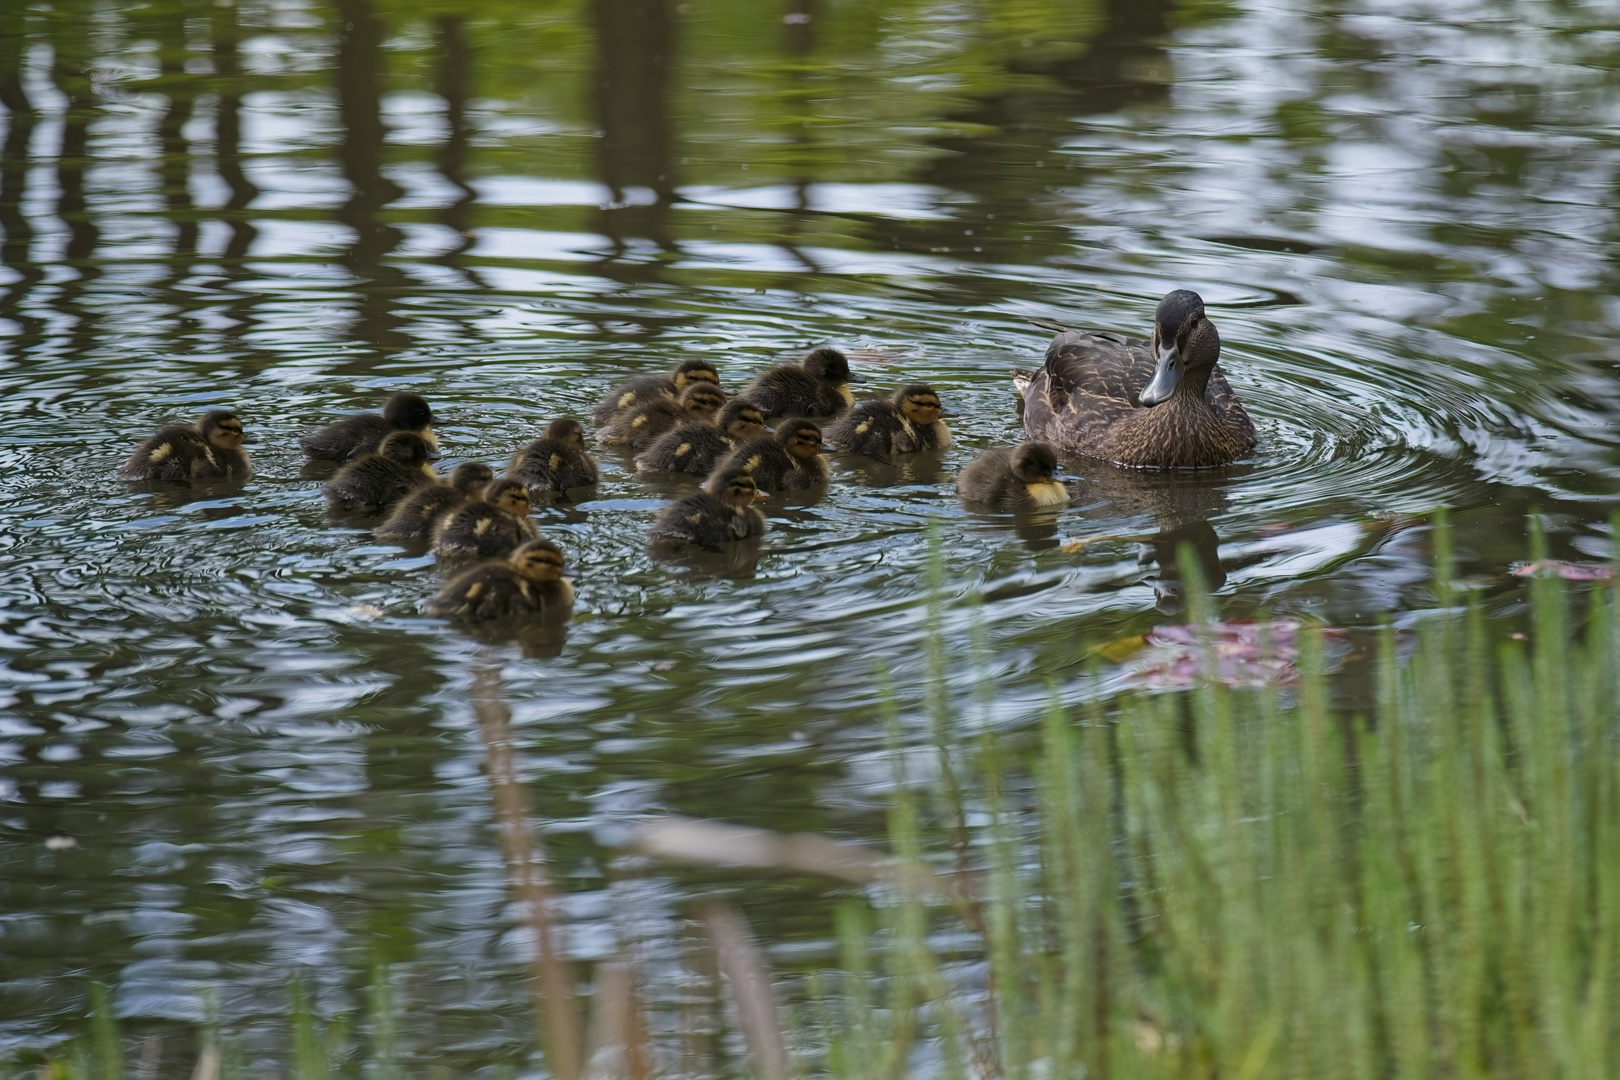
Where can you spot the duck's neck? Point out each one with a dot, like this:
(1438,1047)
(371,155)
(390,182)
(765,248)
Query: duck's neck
(1193,385)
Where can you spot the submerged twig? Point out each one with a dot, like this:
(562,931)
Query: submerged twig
(555,1011)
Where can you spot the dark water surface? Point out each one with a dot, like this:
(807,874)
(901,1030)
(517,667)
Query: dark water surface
(230,747)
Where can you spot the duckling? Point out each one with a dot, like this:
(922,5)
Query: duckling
(724,510)
(641,426)
(906,423)
(643,388)
(1161,403)
(789,460)
(363,433)
(211,448)
(817,386)
(555,462)
(417,513)
(491,525)
(1018,477)
(530,582)
(398,467)
(694,447)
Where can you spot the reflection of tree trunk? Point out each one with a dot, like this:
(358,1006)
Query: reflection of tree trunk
(174,168)
(635,56)
(17,243)
(228,133)
(68,42)
(799,40)
(359,76)
(454,86)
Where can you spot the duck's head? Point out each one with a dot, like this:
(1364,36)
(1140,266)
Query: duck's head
(689,371)
(567,432)
(406,447)
(830,365)
(800,438)
(741,420)
(1185,348)
(919,404)
(539,561)
(221,429)
(703,401)
(734,487)
(407,412)
(470,477)
(509,495)
(1034,463)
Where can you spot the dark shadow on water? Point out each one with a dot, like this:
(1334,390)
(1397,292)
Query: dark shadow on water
(738,560)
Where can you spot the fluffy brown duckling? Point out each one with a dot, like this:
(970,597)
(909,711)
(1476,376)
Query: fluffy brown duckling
(642,426)
(399,466)
(414,519)
(723,511)
(489,526)
(816,386)
(209,449)
(908,422)
(789,460)
(555,462)
(696,446)
(643,388)
(1021,477)
(362,433)
(530,582)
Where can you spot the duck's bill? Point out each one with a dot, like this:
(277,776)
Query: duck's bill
(1166,374)
(856,376)
(948,414)
(761,496)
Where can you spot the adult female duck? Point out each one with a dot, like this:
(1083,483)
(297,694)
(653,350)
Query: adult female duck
(1143,404)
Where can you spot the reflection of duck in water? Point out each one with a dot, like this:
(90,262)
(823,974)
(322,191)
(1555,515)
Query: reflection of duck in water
(211,449)
(1161,403)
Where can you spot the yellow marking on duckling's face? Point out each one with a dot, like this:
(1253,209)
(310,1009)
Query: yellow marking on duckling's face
(428,470)
(845,393)
(161,452)
(515,502)
(1047,493)
(921,410)
(702,375)
(683,449)
(430,438)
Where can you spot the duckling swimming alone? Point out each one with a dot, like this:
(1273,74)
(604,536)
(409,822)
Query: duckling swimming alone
(212,448)
(643,388)
(555,462)
(399,466)
(491,525)
(529,583)
(789,460)
(1013,478)
(1159,404)
(694,447)
(413,520)
(642,426)
(363,433)
(817,386)
(723,511)
(906,423)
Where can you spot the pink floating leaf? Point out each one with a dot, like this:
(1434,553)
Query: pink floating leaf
(1232,654)
(1569,571)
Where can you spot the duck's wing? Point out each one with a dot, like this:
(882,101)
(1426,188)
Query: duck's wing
(1089,382)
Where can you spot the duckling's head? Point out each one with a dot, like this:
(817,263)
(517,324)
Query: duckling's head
(538,560)
(470,476)
(734,487)
(918,403)
(741,419)
(1034,462)
(1183,341)
(221,429)
(689,371)
(406,447)
(703,401)
(509,495)
(567,432)
(830,365)
(407,412)
(801,438)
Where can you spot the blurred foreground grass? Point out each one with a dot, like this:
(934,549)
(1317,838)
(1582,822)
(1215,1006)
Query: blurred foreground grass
(1221,883)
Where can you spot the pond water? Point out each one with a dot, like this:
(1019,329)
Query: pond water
(230,745)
